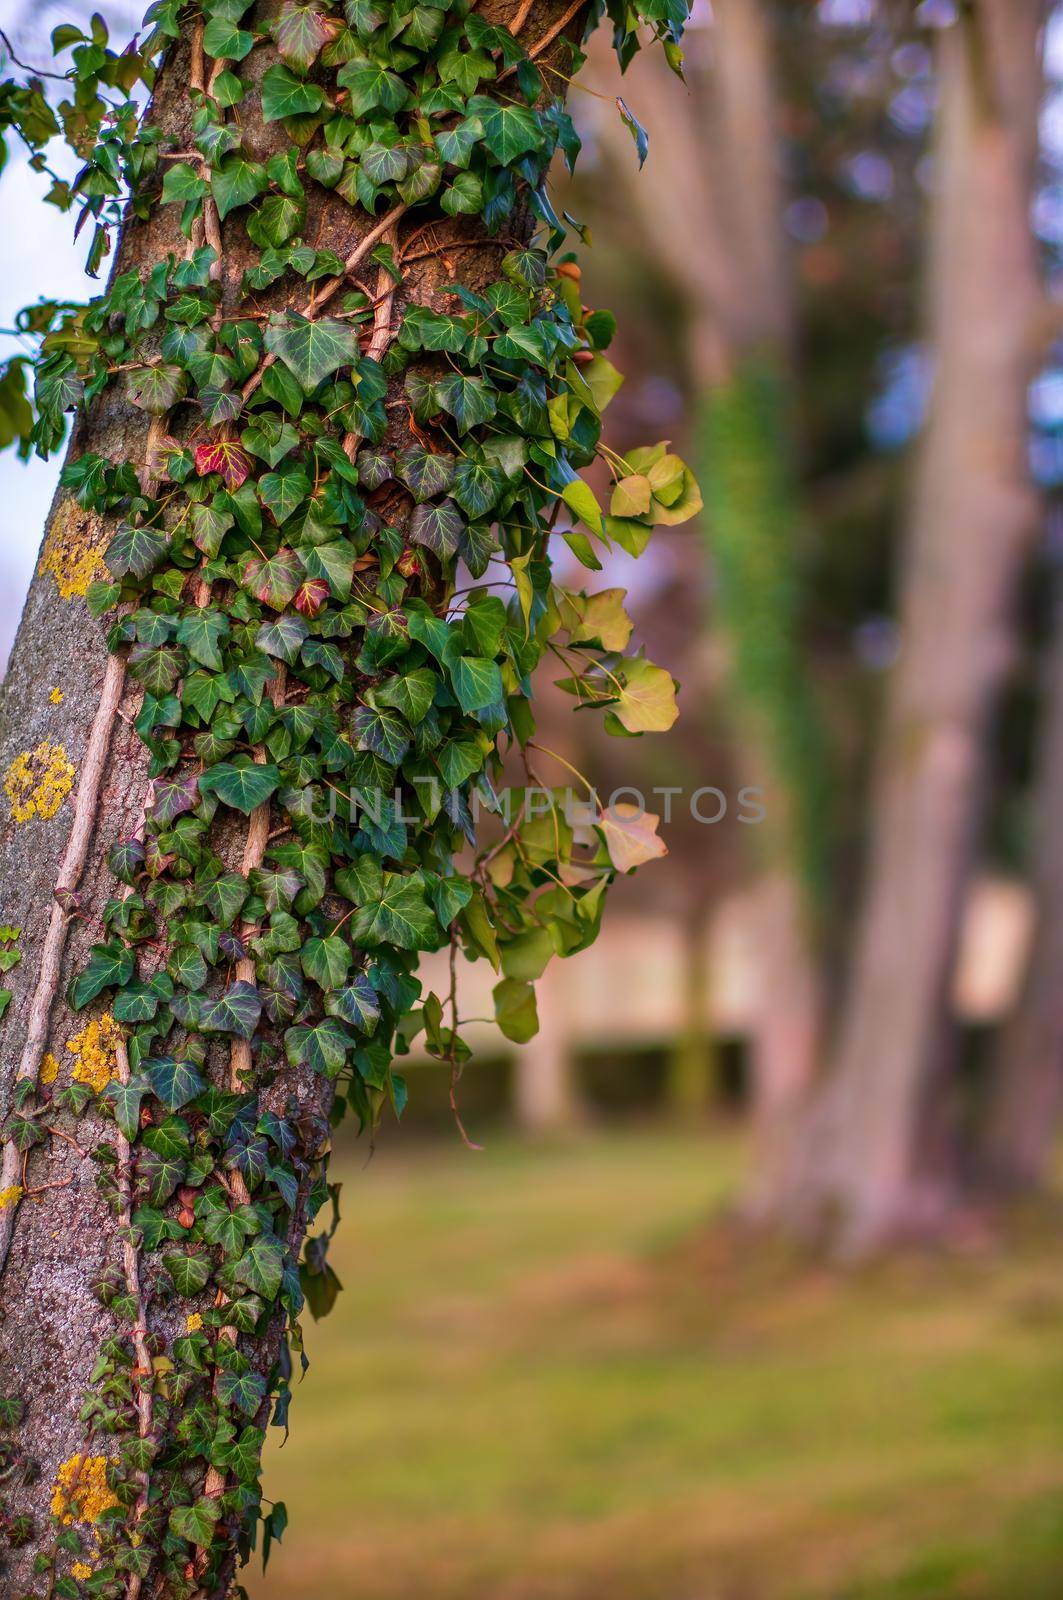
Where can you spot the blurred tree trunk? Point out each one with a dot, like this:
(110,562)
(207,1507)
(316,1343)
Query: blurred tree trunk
(1026,1087)
(692,1076)
(722,245)
(858,1165)
(544,1096)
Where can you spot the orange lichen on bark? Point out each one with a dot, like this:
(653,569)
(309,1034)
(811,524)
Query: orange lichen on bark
(38,781)
(73,551)
(96,1049)
(81,1490)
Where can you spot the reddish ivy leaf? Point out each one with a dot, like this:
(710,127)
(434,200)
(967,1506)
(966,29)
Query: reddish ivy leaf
(225,457)
(311,596)
(275,581)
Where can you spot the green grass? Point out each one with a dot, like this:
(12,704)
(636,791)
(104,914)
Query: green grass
(556,1374)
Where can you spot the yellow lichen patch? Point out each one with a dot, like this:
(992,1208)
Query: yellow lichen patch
(56,697)
(95,1048)
(193,1322)
(81,1490)
(49,1068)
(73,551)
(81,1570)
(38,781)
(10,1196)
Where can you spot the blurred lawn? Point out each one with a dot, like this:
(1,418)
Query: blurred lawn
(550,1379)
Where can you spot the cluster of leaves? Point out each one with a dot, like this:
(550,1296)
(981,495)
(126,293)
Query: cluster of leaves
(283,582)
(10,956)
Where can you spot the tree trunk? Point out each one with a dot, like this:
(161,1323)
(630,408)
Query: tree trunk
(726,252)
(753,522)
(692,1084)
(1026,1087)
(75,775)
(973,518)
(544,1095)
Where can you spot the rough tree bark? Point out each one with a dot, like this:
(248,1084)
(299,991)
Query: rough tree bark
(856,1164)
(71,768)
(1021,1118)
(725,251)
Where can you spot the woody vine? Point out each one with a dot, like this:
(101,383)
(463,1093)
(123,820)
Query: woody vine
(368,386)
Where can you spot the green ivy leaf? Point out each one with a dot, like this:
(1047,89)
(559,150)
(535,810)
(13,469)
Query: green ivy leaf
(159,1175)
(438,527)
(455,145)
(241,1456)
(423,181)
(357,1004)
(468,400)
(109,967)
(156,389)
(384,163)
(209,526)
(580,498)
(312,351)
(319,653)
(237,1011)
(464,197)
(196,1522)
(285,95)
(382,732)
(135,552)
(636,130)
(244,1390)
(125,1100)
(323,1046)
(243,787)
(201,631)
(300,33)
(410,692)
(370,86)
(229,1229)
(261,1266)
(477,682)
(401,916)
(515,1010)
(284,492)
(274,580)
(476,486)
(424,473)
(173,1082)
(283,639)
(137,1002)
(223,40)
(334,562)
(236,182)
(509,131)
(224,897)
(327,961)
(182,183)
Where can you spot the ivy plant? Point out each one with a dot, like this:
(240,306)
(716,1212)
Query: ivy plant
(329,568)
